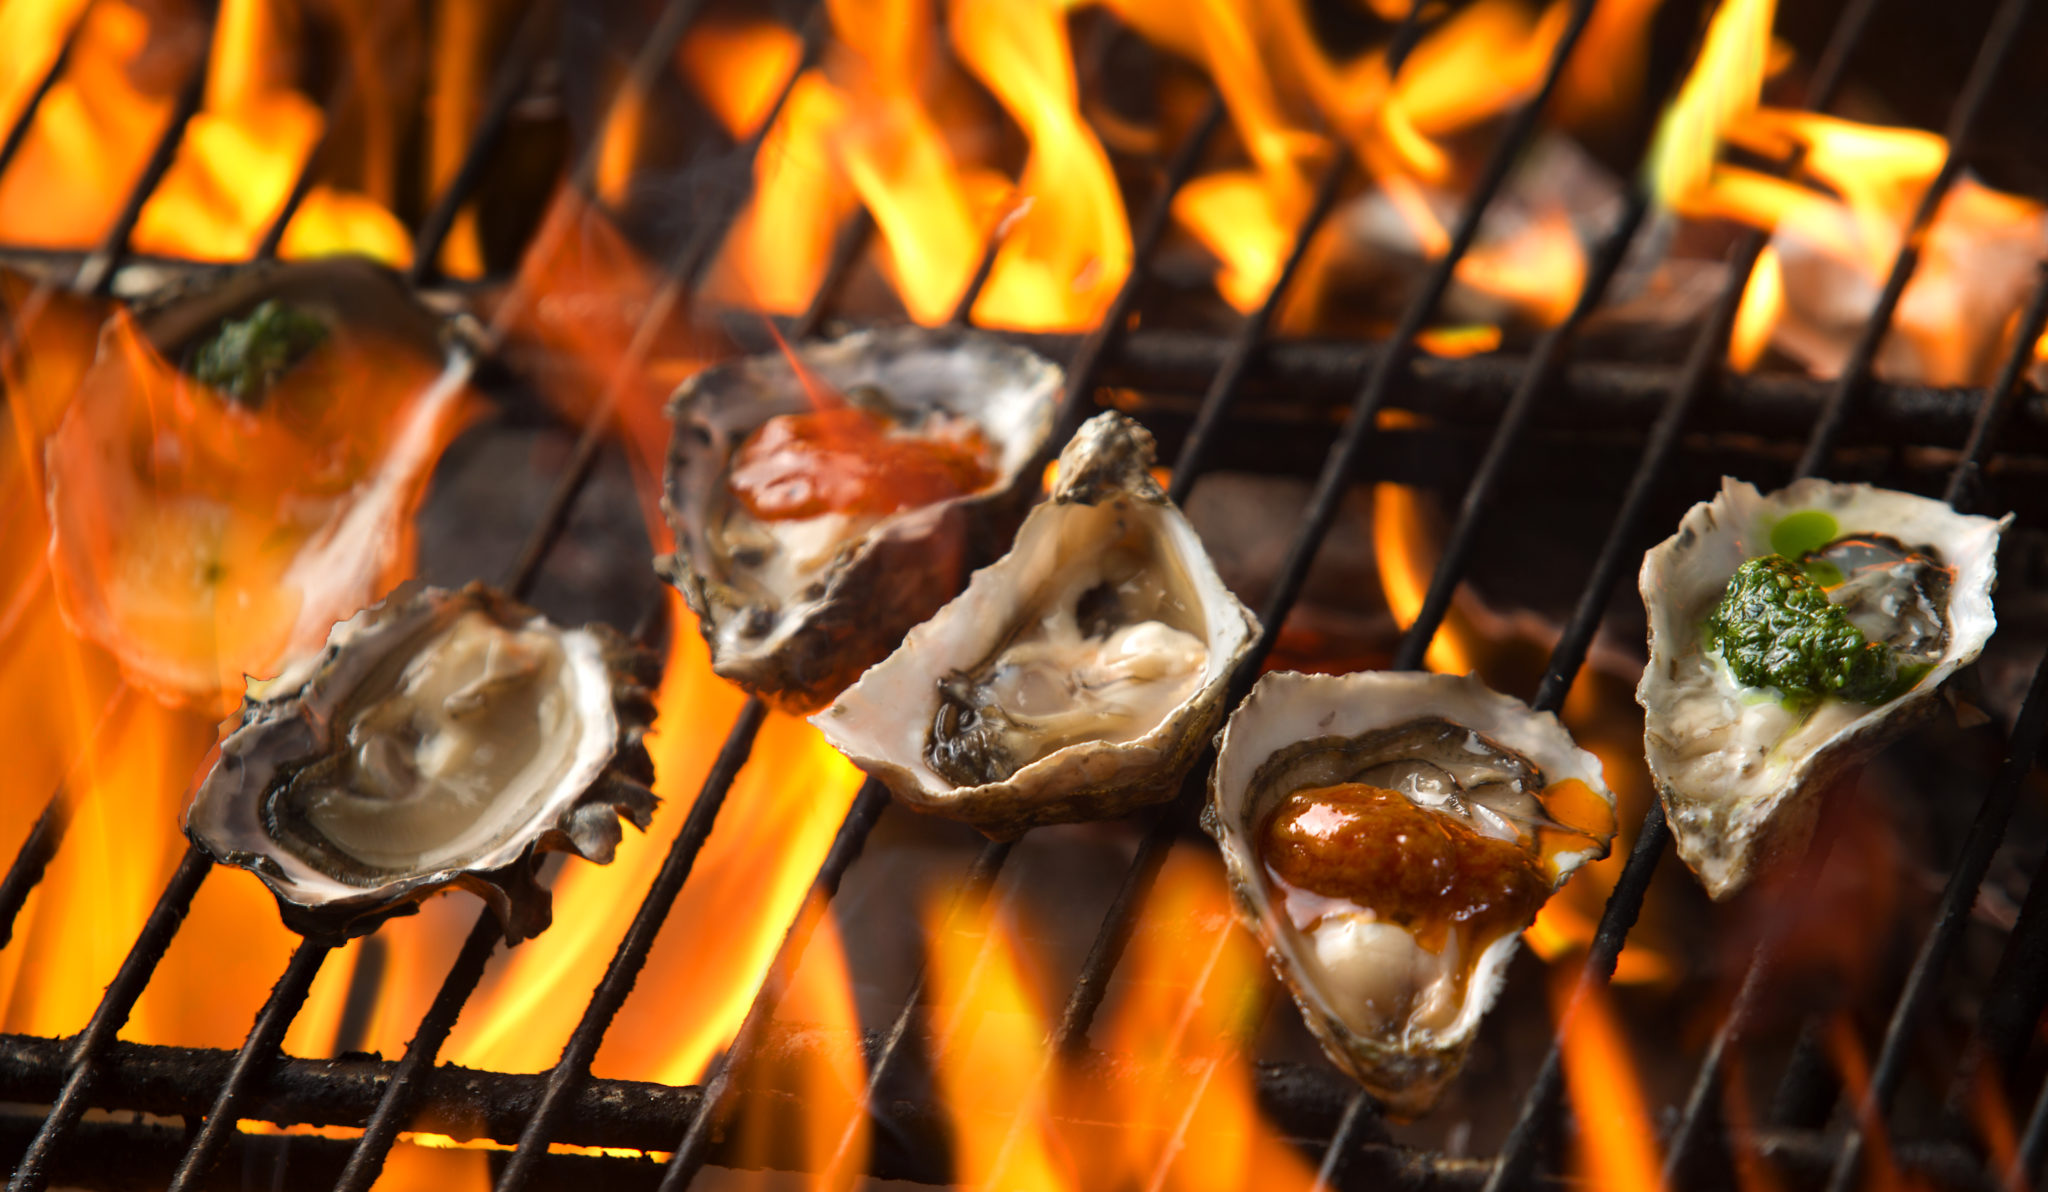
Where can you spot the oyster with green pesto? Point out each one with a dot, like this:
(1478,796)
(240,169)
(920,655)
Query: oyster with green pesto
(1791,635)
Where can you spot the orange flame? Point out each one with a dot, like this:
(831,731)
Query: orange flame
(97,126)
(241,154)
(1616,1148)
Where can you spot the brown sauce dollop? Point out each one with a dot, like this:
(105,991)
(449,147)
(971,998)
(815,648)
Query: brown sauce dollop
(845,460)
(1408,865)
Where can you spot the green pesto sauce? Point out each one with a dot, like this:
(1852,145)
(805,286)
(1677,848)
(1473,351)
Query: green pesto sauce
(1775,627)
(248,355)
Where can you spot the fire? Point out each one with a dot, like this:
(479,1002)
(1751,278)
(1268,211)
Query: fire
(460,65)
(1840,222)
(1404,548)
(242,152)
(98,125)
(1615,1146)
(1181,1115)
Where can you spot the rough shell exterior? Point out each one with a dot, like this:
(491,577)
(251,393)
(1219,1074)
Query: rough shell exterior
(1732,827)
(910,563)
(882,721)
(1409,1075)
(278,735)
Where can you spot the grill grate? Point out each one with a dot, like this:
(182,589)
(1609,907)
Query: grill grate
(548,1108)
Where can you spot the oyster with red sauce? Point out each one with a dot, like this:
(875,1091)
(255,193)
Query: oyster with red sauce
(826,499)
(1388,837)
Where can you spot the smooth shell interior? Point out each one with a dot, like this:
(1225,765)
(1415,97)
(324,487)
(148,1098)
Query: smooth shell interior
(1407,1070)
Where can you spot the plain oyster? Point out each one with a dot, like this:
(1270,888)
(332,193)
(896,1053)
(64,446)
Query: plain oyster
(1388,836)
(1740,768)
(797,599)
(442,739)
(1077,677)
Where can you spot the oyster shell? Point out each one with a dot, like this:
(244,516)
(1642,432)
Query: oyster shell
(442,739)
(1741,770)
(202,532)
(796,605)
(1077,677)
(1432,817)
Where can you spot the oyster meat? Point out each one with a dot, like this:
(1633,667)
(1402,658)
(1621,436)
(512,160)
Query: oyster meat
(826,500)
(240,468)
(442,739)
(1388,836)
(1077,677)
(1791,635)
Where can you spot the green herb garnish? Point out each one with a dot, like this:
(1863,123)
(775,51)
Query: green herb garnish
(1775,627)
(248,355)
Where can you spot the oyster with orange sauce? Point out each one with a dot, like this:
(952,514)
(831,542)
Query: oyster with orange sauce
(1388,837)
(826,499)
(443,738)
(240,468)
(1875,598)
(1077,677)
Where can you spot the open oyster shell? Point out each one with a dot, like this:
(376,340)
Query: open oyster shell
(1391,1011)
(201,537)
(1741,772)
(442,739)
(1077,677)
(794,610)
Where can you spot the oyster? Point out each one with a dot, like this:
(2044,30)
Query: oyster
(1388,836)
(824,502)
(1077,677)
(442,739)
(239,471)
(1754,697)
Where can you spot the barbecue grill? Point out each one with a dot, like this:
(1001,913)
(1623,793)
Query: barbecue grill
(1214,403)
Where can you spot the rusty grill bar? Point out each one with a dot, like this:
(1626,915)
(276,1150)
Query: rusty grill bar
(569,1104)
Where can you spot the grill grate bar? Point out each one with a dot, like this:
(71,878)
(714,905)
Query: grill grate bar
(574,1066)
(1083,368)
(1992,54)
(1957,897)
(1965,485)
(259,1051)
(32,1172)
(521,58)
(402,1091)
(679,275)
(96,273)
(18,134)
(44,839)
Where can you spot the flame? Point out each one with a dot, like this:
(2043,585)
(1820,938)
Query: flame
(1616,1148)
(828,1084)
(242,152)
(1726,80)
(33,34)
(1181,1112)
(97,126)
(737,69)
(1068,249)
(1763,303)
(460,66)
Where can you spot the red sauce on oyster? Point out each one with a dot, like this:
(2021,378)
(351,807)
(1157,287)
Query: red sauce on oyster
(846,460)
(1410,866)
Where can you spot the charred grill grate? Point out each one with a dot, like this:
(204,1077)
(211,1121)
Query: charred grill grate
(216,1088)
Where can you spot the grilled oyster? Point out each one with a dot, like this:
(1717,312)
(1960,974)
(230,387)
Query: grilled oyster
(824,502)
(1077,677)
(1388,836)
(1790,636)
(442,739)
(240,468)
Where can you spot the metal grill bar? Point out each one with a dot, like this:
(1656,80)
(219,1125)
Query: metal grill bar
(26,118)
(521,58)
(32,1173)
(259,1050)
(1517,1158)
